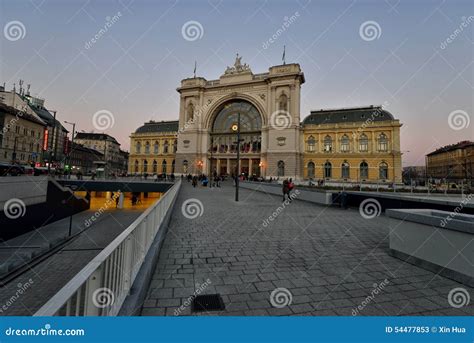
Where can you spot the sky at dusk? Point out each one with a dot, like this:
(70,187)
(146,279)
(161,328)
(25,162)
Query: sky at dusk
(415,57)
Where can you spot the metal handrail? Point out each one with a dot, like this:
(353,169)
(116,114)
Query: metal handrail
(102,286)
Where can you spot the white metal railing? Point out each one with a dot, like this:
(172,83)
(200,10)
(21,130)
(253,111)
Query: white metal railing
(101,287)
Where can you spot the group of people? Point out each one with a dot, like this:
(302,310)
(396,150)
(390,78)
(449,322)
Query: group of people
(204,180)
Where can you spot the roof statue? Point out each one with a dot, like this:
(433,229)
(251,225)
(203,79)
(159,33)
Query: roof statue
(238,67)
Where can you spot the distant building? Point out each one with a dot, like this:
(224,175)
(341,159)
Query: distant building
(105,144)
(23,101)
(453,162)
(414,174)
(21,136)
(153,148)
(123,161)
(82,159)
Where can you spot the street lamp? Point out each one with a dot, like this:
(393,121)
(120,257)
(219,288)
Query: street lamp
(236,128)
(72,144)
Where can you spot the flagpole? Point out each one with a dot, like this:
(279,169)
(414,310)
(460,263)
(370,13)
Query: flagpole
(283,57)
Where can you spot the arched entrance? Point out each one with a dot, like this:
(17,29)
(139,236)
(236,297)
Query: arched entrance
(222,153)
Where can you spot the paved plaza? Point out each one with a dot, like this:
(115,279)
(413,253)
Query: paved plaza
(326,260)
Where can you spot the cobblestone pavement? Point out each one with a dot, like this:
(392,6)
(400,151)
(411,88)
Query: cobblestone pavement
(330,261)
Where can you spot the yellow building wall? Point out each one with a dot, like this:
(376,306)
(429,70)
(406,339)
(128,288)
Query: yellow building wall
(151,156)
(354,157)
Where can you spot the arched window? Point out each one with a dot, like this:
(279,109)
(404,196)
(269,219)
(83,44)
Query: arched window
(136,166)
(327,170)
(172,166)
(165,147)
(327,144)
(281,168)
(345,146)
(185,166)
(311,144)
(311,168)
(147,147)
(364,170)
(283,103)
(155,166)
(145,166)
(190,111)
(383,171)
(175,145)
(156,147)
(363,143)
(138,147)
(345,170)
(382,143)
(163,167)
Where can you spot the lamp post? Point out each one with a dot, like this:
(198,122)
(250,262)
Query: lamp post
(236,128)
(72,144)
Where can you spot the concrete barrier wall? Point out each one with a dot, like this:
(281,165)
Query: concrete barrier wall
(435,247)
(30,189)
(317,197)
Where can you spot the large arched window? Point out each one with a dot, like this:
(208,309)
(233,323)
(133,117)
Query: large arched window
(227,117)
(327,170)
(311,144)
(363,143)
(145,166)
(163,167)
(156,147)
(383,171)
(147,147)
(327,144)
(165,147)
(382,143)
(364,170)
(345,146)
(345,170)
(138,147)
(155,167)
(136,166)
(311,170)
(281,168)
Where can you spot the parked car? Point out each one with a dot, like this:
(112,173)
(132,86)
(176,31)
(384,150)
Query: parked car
(7,169)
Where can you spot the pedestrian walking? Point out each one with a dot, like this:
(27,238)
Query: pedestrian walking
(286,190)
